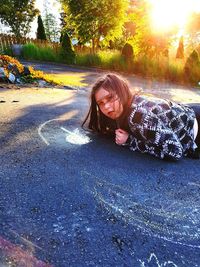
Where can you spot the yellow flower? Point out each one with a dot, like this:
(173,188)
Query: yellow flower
(10,60)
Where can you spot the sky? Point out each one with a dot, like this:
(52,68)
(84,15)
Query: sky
(167,13)
(53,7)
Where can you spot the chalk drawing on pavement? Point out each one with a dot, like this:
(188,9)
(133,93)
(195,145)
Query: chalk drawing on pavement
(75,136)
(41,128)
(13,255)
(72,224)
(154,259)
(173,217)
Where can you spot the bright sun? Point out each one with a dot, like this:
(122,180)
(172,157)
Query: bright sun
(169,13)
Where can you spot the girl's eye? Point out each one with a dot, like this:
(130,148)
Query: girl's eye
(107,99)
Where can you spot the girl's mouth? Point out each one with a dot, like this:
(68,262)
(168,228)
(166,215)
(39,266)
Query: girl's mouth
(111,113)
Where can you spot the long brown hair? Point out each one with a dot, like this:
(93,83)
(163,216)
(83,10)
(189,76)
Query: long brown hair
(98,122)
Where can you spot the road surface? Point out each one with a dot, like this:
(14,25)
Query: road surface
(68,198)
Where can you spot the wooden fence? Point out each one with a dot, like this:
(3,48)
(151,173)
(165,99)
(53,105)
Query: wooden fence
(6,41)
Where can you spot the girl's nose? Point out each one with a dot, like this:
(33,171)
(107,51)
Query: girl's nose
(107,105)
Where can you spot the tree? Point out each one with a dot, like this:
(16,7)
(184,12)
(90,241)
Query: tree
(193,29)
(18,15)
(145,41)
(180,50)
(51,22)
(51,27)
(193,23)
(40,29)
(97,19)
(65,23)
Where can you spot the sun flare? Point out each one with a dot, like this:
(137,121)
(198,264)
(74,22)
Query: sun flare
(167,14)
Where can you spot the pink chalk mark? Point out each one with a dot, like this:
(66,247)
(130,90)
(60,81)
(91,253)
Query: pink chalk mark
(20,256)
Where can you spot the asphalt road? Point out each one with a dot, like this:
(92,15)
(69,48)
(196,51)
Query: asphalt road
(68,198)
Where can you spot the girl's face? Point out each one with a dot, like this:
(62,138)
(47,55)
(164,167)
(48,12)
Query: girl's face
(109,103)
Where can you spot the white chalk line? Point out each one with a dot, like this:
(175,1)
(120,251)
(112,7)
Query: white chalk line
(131,218)
(153,256)
(80,139)
(40,130)
(67,131)
(148,224)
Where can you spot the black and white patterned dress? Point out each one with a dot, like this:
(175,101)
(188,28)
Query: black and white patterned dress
(161,127)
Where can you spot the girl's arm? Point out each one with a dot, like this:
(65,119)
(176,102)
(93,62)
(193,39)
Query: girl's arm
(156,139)
(168,146)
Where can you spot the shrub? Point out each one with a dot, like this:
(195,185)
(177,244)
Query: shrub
(117,63)
(30,51)
(127,54)
(46,54)
(90,60)
(106,59)
(158,68)
(192,68)
(67,50)
(127,51)
(175,71)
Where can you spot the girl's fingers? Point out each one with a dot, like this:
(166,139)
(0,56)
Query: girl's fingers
(117,140)
(120,131)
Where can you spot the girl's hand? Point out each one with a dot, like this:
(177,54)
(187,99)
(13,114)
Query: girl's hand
(121,136)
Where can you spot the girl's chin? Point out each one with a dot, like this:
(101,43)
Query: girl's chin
(112,115)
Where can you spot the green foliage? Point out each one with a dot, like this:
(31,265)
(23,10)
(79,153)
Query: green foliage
(175,71)
(159,68)
(18,15)
(89,60)
(67,50)
(111,60)
(95,20)
(31,51)
(180,50)
(7,50)
(40,29)
(118,43)
(192,68)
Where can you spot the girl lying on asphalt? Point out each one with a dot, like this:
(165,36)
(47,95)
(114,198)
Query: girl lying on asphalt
(156,126)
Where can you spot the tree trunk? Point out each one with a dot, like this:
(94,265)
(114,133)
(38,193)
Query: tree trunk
(93,45)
